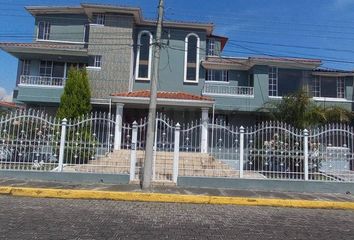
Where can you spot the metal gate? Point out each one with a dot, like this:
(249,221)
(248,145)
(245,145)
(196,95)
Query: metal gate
(163,149)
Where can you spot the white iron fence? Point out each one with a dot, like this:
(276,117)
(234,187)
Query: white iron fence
(34,141)
(29,141)
(222,89)
(274,150)
(42,80)
(98,143)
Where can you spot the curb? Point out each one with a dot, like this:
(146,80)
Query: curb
(170,198)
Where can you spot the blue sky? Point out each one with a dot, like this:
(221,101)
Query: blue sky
(322,29)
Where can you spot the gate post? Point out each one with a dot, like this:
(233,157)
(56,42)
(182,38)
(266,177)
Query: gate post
(242,136)
(133,150)
(176,153)
(204,138)
(118,127)
(306,155)
(62,144)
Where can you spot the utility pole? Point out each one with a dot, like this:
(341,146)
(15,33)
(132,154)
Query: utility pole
(149,152)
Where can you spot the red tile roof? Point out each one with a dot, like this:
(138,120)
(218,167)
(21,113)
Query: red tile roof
(8,104)
(163,94)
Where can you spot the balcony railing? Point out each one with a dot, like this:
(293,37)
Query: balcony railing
(221,89)
(42,81)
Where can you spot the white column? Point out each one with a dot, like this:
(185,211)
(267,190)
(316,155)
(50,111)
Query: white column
(176,153)
(118,126)
(62,145)
(306,155)
(242,136)
(133,150)
(204,140)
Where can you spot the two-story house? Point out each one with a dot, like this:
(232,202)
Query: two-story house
(115,45)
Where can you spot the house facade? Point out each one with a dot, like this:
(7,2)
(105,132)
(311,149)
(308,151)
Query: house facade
(115,45)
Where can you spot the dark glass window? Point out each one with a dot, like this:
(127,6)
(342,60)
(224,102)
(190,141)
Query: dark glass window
(328,87)
(58,69)
(192,54)
(144,56)
(43,30)
(46,68)
(289,81)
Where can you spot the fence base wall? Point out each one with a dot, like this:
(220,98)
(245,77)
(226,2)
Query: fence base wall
(267,185)
(67,177)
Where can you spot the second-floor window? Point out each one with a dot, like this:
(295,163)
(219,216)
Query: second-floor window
(340,87)
(217,75)
(43,30)
(316,87)
(328,87)
(97,61)
(211,47)
(191,59)
(26,67)
(100,18)
(46,68)
(144,56)
(273,81)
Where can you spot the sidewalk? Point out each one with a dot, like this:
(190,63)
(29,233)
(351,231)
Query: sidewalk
(15,187)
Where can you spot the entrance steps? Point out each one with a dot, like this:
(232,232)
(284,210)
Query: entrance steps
(190,164)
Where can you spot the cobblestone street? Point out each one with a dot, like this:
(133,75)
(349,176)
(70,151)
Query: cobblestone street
(26,218)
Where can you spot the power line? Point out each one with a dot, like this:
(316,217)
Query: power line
(292,46)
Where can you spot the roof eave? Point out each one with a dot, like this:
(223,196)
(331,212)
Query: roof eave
(15,50)
(209,27)
(89,9)
(39,10)
(333,74)
(231,65)
(291,63)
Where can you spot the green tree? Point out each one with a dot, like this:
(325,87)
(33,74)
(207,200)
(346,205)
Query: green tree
(75,100)
(75,104)
(298,110)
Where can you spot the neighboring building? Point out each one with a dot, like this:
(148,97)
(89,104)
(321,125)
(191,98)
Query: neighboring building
(9,106)
(115,45)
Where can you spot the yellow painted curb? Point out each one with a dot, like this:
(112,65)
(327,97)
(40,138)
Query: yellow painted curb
(171,198)
(5,190)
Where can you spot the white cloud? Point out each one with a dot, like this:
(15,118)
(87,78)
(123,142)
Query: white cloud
(4,95)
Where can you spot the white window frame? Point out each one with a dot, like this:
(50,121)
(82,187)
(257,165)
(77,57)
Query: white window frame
(186,58)
(141,33)
(316,87)
(46,30)
(211,47)
(100,19)
(26,67)
(211,76)
(273,81)
(97,61)
(47,66)
(224,76)
(340,87)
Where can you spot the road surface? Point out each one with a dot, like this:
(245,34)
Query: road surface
(26,218)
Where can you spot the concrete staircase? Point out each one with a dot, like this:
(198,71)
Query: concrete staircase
(190,164)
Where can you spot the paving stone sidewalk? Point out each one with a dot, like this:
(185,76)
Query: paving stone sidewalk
(40,218)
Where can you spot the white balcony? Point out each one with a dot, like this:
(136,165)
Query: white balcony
(215,89)
(42,81)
